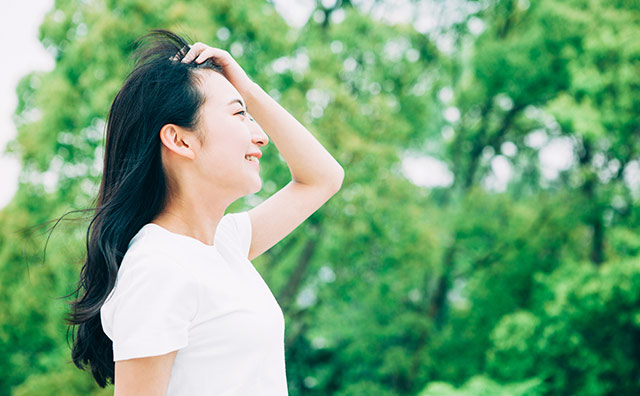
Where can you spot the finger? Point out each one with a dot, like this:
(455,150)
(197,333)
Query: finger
(188,57)
(206,54)
(215,53)
(194,51)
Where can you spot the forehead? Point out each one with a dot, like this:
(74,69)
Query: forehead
(217,90)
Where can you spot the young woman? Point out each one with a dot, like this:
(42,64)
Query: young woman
(168,292)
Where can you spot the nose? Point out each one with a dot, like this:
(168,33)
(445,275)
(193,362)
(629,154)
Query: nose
(258,136)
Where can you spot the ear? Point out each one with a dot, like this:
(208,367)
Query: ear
(178,140)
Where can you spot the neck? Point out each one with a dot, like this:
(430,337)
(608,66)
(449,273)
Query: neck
(191,215)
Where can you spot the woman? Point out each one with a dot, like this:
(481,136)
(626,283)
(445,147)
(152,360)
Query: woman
(167,291)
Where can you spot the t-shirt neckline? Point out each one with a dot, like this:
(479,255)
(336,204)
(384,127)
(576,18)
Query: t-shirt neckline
(181,236)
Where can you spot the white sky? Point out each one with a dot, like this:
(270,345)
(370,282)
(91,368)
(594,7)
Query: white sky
(19,21)
(19,24)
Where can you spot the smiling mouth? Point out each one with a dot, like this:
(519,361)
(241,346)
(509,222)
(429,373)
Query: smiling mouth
(253,160)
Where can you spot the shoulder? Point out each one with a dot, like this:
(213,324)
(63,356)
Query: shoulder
(151,261)
(234,233)
(150,246)
(234,222)
(147,275)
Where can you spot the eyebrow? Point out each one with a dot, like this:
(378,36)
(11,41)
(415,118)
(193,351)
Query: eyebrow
(236,100)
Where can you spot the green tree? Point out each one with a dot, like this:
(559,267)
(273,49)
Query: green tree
(390,288)
(335,78)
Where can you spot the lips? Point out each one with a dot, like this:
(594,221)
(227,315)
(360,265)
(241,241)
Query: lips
(253,159)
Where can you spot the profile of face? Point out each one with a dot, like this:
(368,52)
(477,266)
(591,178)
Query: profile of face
(221,164)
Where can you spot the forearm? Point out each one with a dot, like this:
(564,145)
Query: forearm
(309,162)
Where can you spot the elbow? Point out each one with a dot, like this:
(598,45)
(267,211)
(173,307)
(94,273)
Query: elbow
(337,179)
(329,181)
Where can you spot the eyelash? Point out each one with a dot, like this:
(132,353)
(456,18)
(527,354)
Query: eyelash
(244,113)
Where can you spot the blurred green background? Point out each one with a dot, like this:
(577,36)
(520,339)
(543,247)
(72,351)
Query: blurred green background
(486,237)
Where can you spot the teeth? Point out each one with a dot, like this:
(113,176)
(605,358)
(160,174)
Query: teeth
(251,158)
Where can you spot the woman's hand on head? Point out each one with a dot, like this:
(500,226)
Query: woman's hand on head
(200,52)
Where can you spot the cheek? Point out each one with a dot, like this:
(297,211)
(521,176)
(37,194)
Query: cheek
(223,157)
(225,147)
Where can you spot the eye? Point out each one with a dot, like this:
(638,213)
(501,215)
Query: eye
(245,114)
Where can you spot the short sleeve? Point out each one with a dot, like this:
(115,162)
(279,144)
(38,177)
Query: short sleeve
(238,228)
(150,310)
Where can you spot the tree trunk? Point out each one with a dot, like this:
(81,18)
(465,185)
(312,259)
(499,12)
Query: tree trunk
(290,290)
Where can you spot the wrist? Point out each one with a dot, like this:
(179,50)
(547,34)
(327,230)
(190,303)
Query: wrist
(251,92)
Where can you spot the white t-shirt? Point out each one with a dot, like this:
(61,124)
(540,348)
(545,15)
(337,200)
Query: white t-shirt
(174,292)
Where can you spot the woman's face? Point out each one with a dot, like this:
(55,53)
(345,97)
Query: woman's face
(230,134)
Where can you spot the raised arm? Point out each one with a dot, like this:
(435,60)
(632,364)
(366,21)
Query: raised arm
(316,175)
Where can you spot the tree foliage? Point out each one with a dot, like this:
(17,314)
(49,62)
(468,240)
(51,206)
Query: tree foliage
(481,286)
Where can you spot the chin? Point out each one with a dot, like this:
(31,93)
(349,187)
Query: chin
(257,188)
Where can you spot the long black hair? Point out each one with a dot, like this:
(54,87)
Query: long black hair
(134,188)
